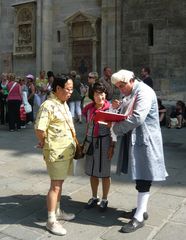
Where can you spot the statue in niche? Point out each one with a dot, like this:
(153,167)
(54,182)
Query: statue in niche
(25,15)
(24,34)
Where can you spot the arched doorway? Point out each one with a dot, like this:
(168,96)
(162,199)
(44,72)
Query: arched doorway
(84,43)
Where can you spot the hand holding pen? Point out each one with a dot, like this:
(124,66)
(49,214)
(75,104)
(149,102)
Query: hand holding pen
(116,103)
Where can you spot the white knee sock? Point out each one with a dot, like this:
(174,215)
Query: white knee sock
(142,201)
(58,208)
(51,216)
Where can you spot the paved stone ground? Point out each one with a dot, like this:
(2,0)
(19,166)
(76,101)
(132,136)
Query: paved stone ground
(24,184)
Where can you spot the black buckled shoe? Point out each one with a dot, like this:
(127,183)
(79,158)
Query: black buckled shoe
(92,203)
(103,206)
(132,226)
(130,215)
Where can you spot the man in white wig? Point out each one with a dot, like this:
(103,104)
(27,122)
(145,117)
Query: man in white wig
(145,148)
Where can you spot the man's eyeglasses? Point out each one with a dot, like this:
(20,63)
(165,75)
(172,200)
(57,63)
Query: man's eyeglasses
(68,90)
(121,85)
(90,77)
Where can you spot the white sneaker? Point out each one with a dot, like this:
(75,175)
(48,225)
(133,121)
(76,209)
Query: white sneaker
(56,228)
(61,215)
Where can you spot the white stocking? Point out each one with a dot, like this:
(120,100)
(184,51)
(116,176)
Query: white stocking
(142,201)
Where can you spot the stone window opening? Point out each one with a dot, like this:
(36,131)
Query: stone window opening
(58,36)
(150,34)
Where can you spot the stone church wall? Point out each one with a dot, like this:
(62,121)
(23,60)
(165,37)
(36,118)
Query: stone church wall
(166,56)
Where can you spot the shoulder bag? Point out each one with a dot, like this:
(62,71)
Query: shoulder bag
(79,147)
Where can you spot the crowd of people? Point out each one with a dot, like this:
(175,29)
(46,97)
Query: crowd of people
(60,104)
(176,118)
(19,95)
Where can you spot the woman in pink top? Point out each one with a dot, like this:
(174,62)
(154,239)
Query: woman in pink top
(14,101)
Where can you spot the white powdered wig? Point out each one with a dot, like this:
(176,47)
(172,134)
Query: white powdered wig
(122,76)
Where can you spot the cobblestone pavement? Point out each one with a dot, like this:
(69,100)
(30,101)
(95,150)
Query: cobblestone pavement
(24,184)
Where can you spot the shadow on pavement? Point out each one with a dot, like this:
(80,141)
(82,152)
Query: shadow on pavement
(31,211)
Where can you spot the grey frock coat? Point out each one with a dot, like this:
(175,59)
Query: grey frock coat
(145,147)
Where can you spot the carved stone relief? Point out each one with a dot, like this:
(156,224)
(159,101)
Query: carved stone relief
(24,15)
(82,30)
(24,37)
(24,34)
(82,25)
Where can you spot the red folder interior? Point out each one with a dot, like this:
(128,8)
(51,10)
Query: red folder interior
(101,116)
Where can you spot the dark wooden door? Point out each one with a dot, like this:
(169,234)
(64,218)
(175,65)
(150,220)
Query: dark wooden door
(82,57)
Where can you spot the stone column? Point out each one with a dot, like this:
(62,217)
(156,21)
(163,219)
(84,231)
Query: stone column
(94,54)
(94,45)
(0,35)
(38,37)
(118,35)
(44,35)
(111,34)
(69,46)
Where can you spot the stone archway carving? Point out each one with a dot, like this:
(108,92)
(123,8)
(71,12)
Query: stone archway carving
(24,35)
(83,33)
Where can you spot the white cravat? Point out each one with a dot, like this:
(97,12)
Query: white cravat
(113,135)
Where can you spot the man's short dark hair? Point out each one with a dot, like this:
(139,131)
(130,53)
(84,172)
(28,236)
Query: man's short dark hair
(146,69)
(105,68)
(50,74)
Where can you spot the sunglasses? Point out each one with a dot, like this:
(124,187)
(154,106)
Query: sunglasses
(90,77)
